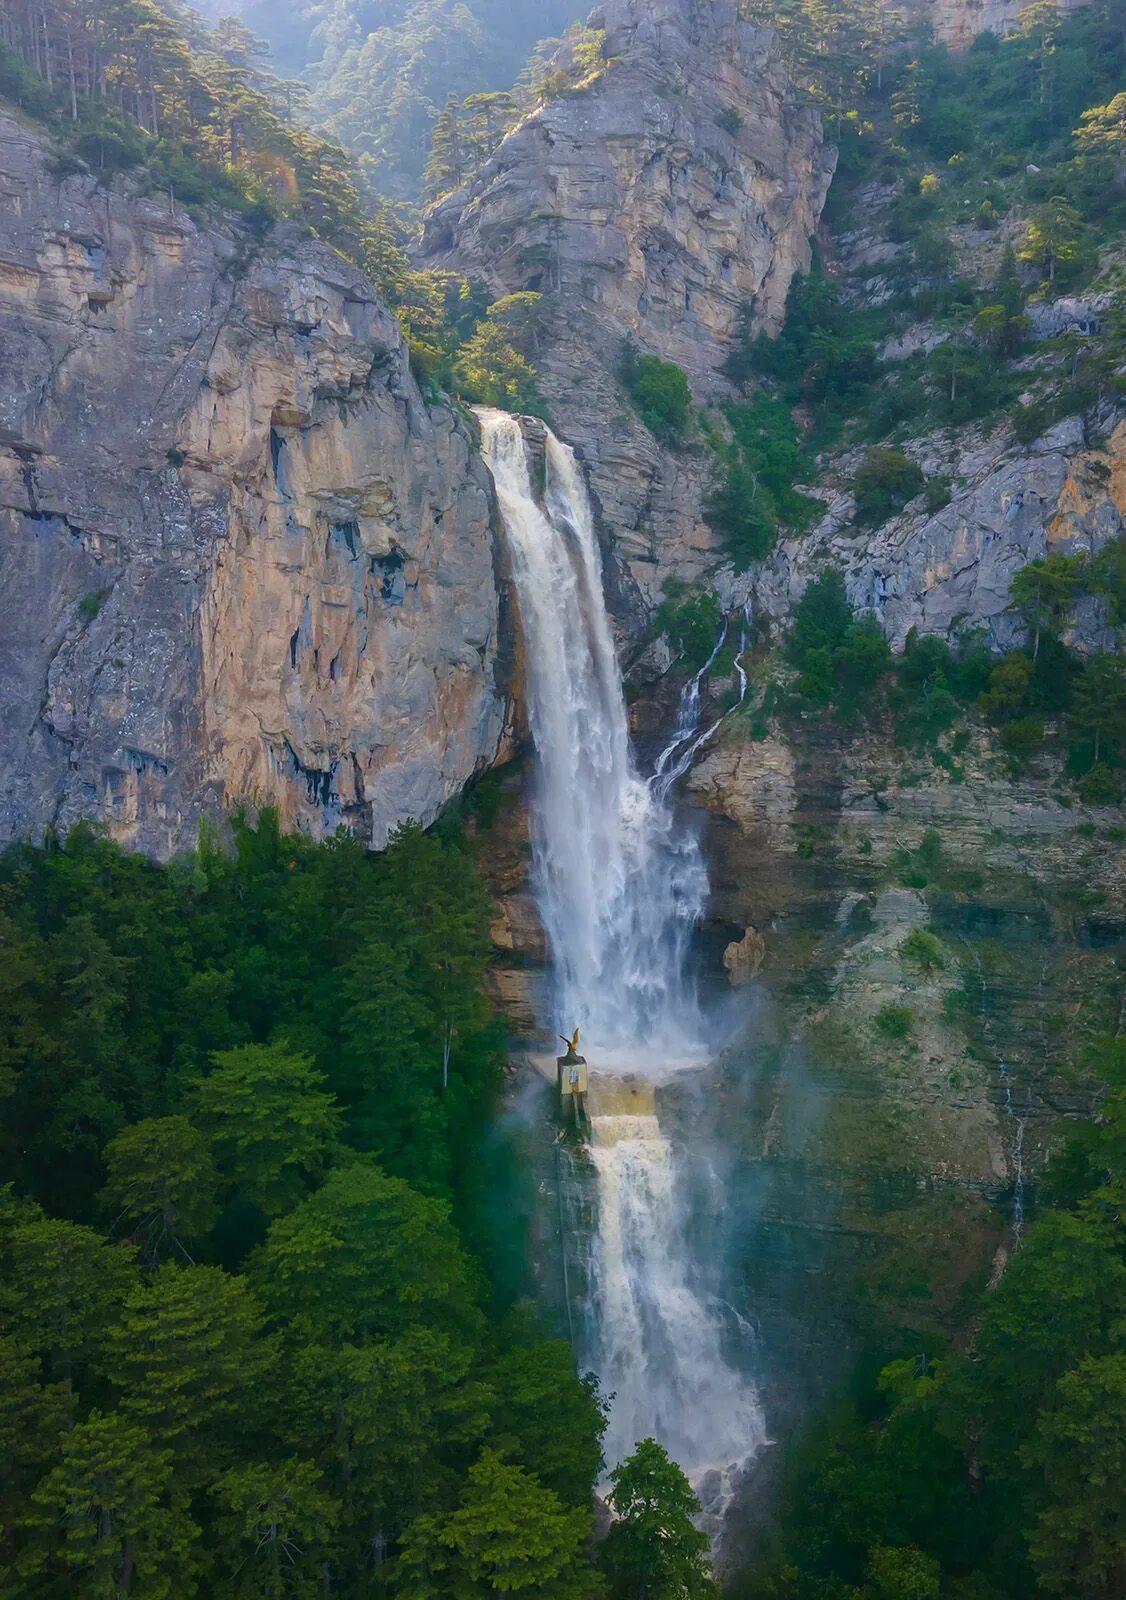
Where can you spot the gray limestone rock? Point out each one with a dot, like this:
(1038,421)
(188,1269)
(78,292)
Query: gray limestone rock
(683,182)
(241,561)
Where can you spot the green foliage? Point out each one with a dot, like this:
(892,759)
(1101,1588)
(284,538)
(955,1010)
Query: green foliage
(366,1257)
(491,371)
(1001,332)
(465,135)
(380,75)
(1079,1445)
(883,484)
(926,704)
(193,106)
(280,1363)
(653,1547)
(924,951)
(760,463)
(841,658)
(660,393)
(690,620)
(936,493)
(1043,592)
(110,1508)
(272,1122)
(91,604)
(896,1022)
(822,356)
(1055,243)
(1032,1416)
(161,1184)
(509,1535)
(903,1573)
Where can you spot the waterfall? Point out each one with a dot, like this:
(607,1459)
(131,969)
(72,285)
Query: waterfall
(621,886)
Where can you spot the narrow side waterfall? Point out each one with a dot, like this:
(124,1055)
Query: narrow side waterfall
(621,886)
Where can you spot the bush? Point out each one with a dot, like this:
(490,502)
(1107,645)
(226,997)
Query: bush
(760,465)
(883,484)
(841,658)
(1023,737)
(896,1022)
(490,371)
(689,621)
(821,354)
(923,950)
(660,393)
(729,120)
(91,604)
(1097,786)
(936,494)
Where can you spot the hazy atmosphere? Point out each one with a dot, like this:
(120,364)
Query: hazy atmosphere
(562,760)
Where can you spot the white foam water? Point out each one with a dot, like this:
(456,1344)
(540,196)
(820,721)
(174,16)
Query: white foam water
(621,887)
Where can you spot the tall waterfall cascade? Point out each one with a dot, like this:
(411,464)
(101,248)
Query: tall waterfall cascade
(620,886)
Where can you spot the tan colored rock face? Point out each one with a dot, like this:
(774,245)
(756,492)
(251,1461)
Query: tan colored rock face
(958,22)
(638,212)
(241,561)
(744,957)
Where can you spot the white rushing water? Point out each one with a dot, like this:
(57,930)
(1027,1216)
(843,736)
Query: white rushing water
(621,886)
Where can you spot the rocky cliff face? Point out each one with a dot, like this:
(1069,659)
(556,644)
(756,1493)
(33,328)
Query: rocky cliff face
(952,569)
(937,951)
(958,22)
(240,560)
(655,200)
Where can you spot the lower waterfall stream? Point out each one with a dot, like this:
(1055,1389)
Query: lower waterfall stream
(621,886)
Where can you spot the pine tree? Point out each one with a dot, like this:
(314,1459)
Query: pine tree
(447,166)
(654,1551)
(110,1517)
(273,1123)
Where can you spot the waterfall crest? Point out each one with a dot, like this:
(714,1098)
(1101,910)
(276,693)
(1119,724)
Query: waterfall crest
(621,886)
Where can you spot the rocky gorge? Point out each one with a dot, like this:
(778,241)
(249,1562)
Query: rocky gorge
(246,560)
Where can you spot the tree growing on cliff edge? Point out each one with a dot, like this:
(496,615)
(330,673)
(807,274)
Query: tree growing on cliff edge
(1056,241)
(1043,592)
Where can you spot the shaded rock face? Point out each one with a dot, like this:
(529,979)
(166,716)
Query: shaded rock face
(640,213)
(937,955)
(240,560)
(952,569)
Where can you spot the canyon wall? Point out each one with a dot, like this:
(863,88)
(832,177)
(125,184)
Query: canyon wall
(958,22)
(241,561)
(676,185)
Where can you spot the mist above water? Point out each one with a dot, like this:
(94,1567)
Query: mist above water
(621,887)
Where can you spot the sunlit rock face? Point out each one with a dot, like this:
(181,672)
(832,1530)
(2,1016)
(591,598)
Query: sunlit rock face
(958,22)
(682,183)
(240,560)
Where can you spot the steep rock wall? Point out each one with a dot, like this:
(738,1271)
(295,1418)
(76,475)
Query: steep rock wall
(638,212)
(240,560)
(951,569)
(958,22)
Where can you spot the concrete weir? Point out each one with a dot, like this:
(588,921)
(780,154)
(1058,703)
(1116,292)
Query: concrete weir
(609,1099)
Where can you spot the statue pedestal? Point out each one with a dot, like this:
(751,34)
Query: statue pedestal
(572,1078)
